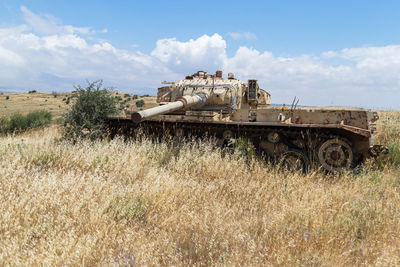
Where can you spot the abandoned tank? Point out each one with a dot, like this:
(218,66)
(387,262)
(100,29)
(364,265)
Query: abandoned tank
(298,137)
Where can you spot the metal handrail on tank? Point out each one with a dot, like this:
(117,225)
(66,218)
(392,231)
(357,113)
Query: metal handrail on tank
(182,102)
(230,86)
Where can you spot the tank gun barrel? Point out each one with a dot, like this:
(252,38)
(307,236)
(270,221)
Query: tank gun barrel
(181,103)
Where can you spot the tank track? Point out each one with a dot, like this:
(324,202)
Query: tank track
(306,141)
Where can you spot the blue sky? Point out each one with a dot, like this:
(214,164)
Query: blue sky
(325,52)
(282,27)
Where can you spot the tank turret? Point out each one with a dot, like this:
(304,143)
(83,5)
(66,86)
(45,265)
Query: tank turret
(210,92)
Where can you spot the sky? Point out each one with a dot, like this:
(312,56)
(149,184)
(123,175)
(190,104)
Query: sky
(341,53)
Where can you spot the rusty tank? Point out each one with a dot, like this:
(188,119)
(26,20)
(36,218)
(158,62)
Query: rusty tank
(227,108)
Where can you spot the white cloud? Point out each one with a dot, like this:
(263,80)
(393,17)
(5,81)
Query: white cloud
(48,24)
(189,56)
(249,36)
(10,58)
(46,55)
(359,77)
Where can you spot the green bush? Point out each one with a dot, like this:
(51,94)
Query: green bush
(7,97)
(19,123)
(38,118)
(91,108)
(140,103)
(135,96)
(32,92)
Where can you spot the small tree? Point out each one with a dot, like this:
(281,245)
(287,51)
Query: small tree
(89,112)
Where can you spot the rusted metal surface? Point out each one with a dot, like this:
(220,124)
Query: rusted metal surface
(209,104)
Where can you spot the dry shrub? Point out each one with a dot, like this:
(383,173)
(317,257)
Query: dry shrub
(145,203)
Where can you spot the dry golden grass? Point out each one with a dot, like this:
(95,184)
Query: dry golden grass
(388,127)
(119,203)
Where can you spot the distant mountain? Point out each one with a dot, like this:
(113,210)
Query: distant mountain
(10,91)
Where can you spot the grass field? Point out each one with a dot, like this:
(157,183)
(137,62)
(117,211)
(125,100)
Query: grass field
(140,203)
(27,102)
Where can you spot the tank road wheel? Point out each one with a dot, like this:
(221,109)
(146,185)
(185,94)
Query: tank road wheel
(293,160)
(227,138)
(273,137)
(335,155)
(227,135)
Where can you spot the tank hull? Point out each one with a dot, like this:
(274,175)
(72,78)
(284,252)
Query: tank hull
(299,132)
